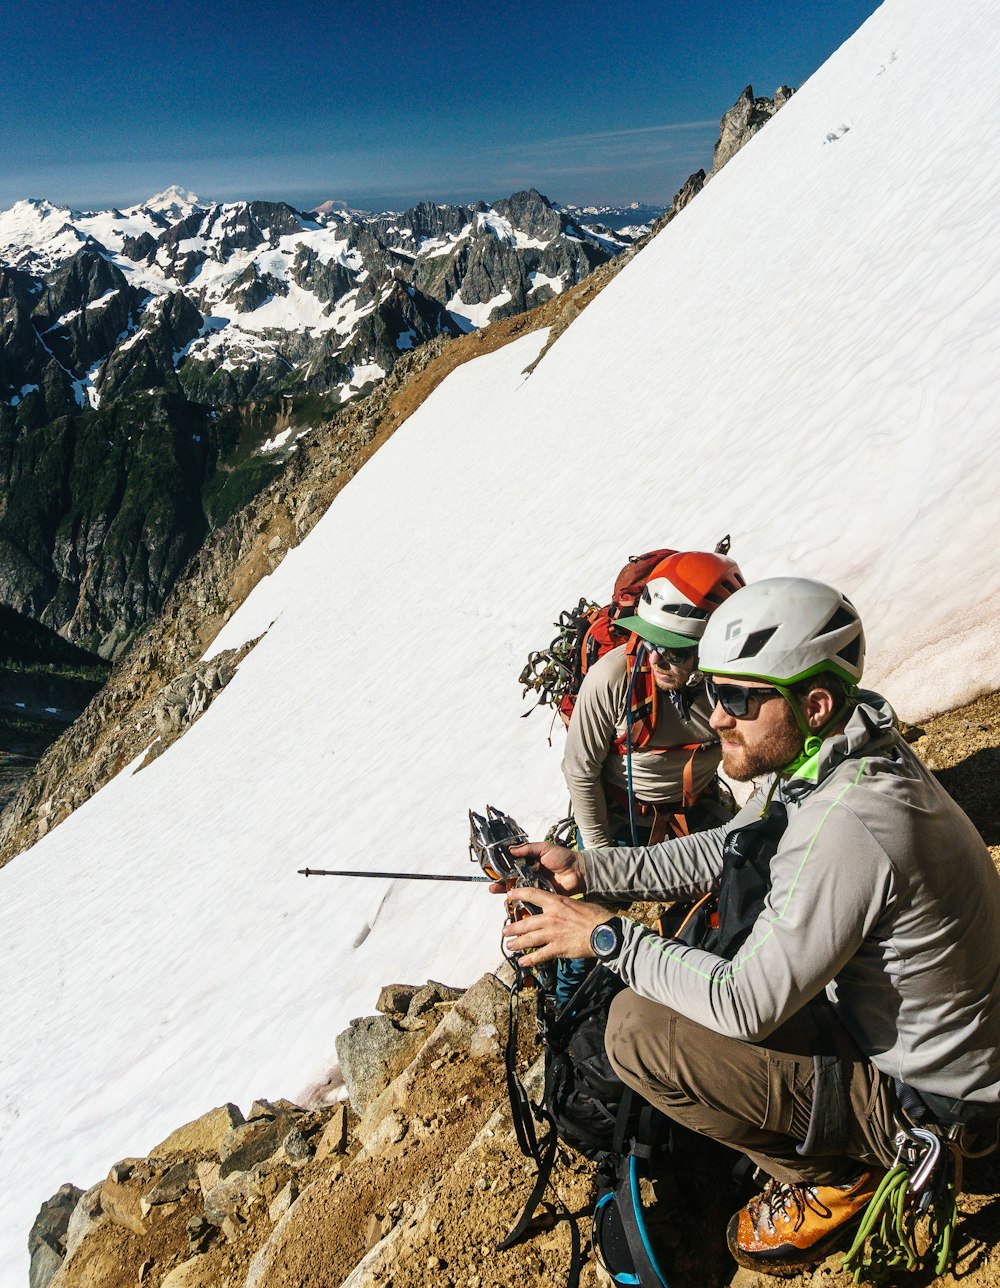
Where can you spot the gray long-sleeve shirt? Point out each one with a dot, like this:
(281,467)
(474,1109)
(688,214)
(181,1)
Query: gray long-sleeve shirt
(590,763)
(882,893)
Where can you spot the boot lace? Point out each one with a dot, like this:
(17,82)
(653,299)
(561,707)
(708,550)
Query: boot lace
(792,1201)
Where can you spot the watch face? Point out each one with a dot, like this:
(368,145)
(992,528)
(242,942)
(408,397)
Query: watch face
(604,940)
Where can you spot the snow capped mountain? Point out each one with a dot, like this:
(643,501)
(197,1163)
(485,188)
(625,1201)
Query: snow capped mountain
(285,300)
(335,206)
(172,203)
(36,236)
(181,314)
(822,385)
(634,220)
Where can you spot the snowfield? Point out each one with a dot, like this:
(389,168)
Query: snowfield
(808,357)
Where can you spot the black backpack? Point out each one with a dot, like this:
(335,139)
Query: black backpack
(585,1103)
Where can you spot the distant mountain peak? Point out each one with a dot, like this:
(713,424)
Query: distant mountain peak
(175,202)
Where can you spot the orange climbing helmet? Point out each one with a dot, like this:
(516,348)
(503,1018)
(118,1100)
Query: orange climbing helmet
(681,594)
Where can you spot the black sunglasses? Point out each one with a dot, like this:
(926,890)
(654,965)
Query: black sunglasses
(735,700)
(671,654)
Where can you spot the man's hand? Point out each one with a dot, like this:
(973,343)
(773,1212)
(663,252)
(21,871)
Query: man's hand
(563,867)
(561,929)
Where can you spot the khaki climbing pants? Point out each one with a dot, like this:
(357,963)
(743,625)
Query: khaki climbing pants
(804,1104)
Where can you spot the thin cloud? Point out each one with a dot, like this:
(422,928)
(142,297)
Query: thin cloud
(623,135)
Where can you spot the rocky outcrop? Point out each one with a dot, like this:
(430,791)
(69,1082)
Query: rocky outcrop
(689,190)
(375,1048)
(352,1192)
(212,1183)
(186,698)
(47,1239)
(414,1186)
(745,118)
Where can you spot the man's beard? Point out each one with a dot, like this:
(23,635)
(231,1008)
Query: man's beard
(779,749)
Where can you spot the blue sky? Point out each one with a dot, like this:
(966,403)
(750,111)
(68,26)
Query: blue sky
(383,104)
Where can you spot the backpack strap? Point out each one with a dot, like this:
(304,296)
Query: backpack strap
(524,1113)
(523,1110)
(629,1200)
(641,699)
(620,1236)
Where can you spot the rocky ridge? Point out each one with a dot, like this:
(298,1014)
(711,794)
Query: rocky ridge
(747,117)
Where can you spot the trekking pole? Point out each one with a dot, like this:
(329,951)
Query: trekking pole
(394,876)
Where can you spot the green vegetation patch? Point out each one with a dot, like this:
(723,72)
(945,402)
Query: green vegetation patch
(28,646)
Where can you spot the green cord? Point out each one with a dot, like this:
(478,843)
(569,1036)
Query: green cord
(891,1246)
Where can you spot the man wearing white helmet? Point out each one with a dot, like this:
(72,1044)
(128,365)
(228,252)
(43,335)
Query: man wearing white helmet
(640,752)
(853,980)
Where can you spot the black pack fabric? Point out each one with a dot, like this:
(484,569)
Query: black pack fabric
(583,1094)
(744,886)
(586,1105)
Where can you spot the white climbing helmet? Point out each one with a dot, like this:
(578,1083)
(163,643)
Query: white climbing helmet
(784,629)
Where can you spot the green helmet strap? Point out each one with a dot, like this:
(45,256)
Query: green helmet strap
(805,763)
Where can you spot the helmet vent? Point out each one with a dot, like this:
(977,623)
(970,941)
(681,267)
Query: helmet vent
(755,641)
(851,653)
(686,610)
(838,621)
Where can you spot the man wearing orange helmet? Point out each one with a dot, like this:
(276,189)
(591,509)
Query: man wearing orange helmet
(640,754)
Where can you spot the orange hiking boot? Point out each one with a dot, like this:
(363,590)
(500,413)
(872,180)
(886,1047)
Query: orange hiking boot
(788,1226)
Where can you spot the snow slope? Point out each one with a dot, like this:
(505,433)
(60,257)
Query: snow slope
(807,357)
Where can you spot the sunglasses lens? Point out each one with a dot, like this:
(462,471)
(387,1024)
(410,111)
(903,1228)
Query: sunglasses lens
(733,699)
(670,655)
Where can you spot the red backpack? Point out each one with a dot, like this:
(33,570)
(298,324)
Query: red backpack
(586,633)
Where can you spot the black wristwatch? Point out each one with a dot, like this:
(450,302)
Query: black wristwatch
(606,939)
